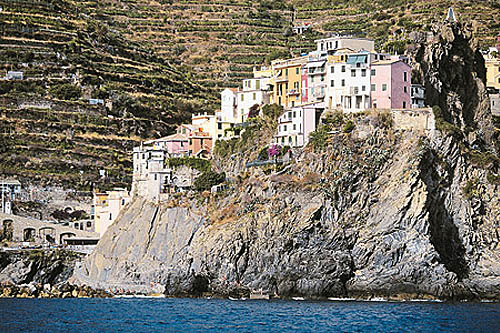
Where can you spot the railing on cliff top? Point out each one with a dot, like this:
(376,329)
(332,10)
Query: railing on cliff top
(259,163)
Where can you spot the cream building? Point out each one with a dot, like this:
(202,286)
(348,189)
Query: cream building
(107,206)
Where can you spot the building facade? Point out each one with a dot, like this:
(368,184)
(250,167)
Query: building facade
(390,84)
(417,96)
(296,123)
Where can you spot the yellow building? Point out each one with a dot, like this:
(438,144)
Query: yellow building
(493,72)
(286,81)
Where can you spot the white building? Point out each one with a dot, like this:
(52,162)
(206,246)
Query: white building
(296,123)
(150,175)
(316,77)
(495,104)
(9,190)
(417,96)
(348,81)
(355,44)
(12,75)
(229,111)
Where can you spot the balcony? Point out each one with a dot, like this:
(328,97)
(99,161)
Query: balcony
(292,92)
(281,79)
(317,72)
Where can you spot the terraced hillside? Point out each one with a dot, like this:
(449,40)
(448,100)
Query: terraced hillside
(392,20)
(49,130)
(220,40)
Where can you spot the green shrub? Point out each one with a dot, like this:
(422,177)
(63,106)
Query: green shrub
(319,138)
(192,162)
(334,118)
(348,127)
(208,179)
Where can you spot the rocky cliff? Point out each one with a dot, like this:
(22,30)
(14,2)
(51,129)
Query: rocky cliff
(390,213)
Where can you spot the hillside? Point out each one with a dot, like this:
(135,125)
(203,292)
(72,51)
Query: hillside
(153,63)
(49,131)
(387,20)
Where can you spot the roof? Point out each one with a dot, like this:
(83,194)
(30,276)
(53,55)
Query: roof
(317,63)
(388,62)
(173,137)
(10,182)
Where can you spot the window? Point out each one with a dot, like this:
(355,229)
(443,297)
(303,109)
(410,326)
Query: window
(293,104)
(353,73)
(373,87)
(294,114)
(343,68)
(312,79)
(143,156)
(300,113)
(257,84)
(110,216)
(373,73)
(404,105)
(290,139)
(363,88)
(242,97)
(286,72)
(219,126)
(286,86)
(405,76)
(384,87)
(296,85)
(336,44)
(282,140)
(405,90)
(284,128)
(156,176)
(322,78)
(279,100)
(123,202)
(89,224)
(254,96)
(343,83)
(294,127)
(332,83)
(297,71)
(363,72)
(332,69)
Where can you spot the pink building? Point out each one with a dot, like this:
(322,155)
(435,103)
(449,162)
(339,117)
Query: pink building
(176,144)
(304,98)
(391,84)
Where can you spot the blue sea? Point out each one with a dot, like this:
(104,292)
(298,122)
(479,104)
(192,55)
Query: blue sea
(159,315)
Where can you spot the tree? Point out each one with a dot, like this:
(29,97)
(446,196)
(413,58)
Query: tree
(208,179)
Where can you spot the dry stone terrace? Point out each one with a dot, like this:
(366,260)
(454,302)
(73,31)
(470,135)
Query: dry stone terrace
(32,230)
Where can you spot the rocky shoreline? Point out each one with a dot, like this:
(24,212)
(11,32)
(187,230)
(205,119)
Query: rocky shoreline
(36,290)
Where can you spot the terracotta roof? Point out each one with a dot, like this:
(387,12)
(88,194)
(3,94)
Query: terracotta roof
(173,137)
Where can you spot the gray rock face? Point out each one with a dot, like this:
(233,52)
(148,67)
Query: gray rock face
(381,223)
(41,267)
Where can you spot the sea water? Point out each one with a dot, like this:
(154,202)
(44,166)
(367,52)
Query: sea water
(158,315)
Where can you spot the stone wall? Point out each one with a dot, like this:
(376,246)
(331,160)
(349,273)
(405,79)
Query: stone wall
(413,119)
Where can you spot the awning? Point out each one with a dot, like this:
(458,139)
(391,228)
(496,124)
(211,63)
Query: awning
(354,59)
(315,64)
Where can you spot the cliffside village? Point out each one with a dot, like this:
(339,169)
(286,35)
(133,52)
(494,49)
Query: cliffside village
(344,73)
